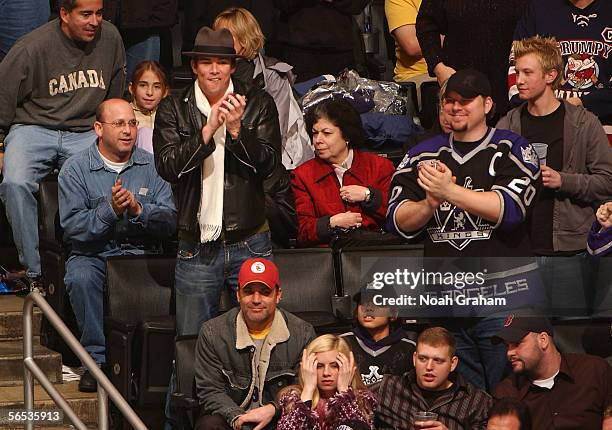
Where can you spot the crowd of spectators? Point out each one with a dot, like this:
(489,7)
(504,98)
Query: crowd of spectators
(230,167)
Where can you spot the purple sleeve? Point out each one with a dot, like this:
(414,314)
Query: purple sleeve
(599,242)
(296,415)
(518,178)
(344,407)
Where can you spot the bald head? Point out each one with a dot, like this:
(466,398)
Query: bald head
(116,128)
(103,108)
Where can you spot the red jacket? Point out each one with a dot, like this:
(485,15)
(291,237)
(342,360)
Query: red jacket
(317,194)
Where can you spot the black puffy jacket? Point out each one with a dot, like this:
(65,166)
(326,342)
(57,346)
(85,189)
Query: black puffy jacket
(251,158)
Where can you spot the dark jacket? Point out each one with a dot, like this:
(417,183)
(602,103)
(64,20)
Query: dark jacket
(141,14)
(224,362)
(577,400)
(251,158)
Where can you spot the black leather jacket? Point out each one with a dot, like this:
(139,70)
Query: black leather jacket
(251,158)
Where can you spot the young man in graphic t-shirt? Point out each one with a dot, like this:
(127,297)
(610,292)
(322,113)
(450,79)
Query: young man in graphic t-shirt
(576,172)
(583,29)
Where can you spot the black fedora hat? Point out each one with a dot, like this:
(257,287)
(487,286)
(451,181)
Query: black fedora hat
(209,42)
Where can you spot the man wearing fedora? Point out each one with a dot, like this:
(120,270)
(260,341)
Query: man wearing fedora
(562,391)
(216,142)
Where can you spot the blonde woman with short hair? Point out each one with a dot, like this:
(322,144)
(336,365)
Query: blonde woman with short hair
(330,390)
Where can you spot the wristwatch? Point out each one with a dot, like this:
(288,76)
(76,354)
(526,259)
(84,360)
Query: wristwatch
(368,195)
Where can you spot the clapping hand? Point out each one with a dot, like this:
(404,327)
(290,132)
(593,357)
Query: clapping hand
(123,199)
(232,107)
(604,215)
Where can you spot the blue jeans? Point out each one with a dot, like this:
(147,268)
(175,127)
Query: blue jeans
(203,270)
(85,279)
(17,18)
(480,362)
(569,284)
(147,49)
(31,153)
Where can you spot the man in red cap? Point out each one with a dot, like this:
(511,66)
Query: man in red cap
(562,391)
(246,355)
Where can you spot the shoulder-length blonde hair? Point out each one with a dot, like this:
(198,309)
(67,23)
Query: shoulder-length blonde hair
(324,343)
(244,28)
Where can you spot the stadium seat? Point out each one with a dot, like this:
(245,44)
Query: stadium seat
(430,106)
(309,286)
(53,254)
(140,326)
(353,266)
(184,398)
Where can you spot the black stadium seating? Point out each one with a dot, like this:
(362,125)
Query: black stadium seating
(53,254)
(184,398)
(140,326)
(309,285)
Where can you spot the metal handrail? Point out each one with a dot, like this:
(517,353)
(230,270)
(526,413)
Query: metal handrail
(31,371)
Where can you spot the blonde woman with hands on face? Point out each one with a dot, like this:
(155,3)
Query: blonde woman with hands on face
(330,392)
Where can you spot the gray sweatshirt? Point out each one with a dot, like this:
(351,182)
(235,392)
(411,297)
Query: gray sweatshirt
(47,80)
(586,177)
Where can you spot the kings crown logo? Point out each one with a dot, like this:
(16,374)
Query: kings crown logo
(529,155)
(458,227)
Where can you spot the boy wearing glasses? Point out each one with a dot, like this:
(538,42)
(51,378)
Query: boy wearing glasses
(111,202)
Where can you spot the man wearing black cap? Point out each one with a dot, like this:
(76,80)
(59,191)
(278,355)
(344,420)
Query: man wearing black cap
(470,192)
(217,142)
(562,391)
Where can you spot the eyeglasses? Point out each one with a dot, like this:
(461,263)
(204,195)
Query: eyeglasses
(462,102)
(121,123)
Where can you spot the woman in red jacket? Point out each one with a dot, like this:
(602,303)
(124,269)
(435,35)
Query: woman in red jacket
(341,194)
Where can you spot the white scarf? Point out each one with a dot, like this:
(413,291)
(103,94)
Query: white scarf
(210,215)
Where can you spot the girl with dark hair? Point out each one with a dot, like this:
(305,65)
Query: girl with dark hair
(147,87)
(341,194)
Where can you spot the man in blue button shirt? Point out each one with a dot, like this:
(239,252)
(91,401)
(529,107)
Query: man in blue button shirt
(111,202)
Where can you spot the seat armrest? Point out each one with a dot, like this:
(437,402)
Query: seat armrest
(123,326)
(180,400)
(342,307)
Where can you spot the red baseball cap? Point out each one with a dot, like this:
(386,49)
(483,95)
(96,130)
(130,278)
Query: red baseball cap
(258,270)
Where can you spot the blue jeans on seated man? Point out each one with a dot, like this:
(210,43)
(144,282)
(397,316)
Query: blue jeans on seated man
(202,272)
(480,362)
(85,280)
(569,283)
(31,153)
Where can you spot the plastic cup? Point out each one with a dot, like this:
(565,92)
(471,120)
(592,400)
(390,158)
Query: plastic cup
(422,416)
(541,149)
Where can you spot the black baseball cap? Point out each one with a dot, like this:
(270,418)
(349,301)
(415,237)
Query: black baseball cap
(366,295)
(516,327)
(469,83)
